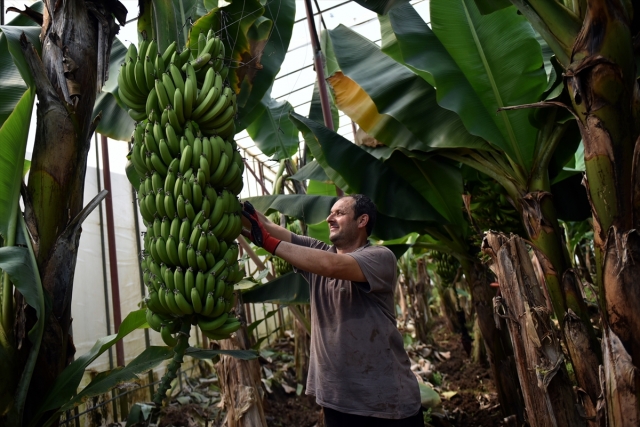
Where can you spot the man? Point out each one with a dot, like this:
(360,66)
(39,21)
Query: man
(358,369)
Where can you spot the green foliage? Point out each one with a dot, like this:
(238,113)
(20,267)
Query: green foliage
(271,129)
(290,288)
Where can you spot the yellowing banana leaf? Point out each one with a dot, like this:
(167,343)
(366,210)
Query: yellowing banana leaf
(116,122)
(344,162)
(357,104)
(315,110)
(395,91)
(271,130)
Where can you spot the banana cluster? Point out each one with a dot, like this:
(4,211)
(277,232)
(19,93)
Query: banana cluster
(446,266)
(190,175)
(490,209)
(281,266)
(180,88)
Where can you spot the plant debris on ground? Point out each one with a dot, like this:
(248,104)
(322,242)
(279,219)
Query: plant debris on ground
(466,388)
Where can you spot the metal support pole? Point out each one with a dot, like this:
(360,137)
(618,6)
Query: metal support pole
(258,180)
(318,61)
(111,238)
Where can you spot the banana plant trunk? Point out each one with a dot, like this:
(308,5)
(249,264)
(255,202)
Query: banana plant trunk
(601,81)
(540,362)
(420,294)
(240,381)
(497,342)
(76,42)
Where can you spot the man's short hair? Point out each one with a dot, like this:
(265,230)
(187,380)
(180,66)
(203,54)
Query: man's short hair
(364,205)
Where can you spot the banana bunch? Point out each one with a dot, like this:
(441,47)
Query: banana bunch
(282,266)
(181,88)
(490,209)
(446,266)
(190,175)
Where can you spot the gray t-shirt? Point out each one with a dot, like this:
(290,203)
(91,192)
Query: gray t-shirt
(358,364)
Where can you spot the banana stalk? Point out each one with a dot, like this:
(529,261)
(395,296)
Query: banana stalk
(174,365)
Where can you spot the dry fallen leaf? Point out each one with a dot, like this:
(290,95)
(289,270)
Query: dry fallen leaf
(448,394)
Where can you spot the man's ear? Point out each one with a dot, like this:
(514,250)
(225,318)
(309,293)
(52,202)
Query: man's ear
(363,220)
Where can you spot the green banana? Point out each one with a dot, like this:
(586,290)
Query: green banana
(149,72)
(217,175)
(168,52)
(168,339)
(212,324)
(209,304)
(230,325)
(182,303)
(172,250)
(189,281)
(185,159)
(178,279)
(196,301)
(163,97)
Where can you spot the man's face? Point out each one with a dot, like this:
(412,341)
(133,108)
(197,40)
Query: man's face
(343,227)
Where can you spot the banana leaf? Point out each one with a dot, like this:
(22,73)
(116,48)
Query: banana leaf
(315,110)
(351,167)
(271,130)
(320,230)
(501,60)
(16,107)
(116,122)
(311,170)
(200,354)
(380,6)
(489,6)
(103,382)
(13,70)
(308,208)
(478,64)
(389,101)
(436,179)
(290,288)
(19,263)
(66,385)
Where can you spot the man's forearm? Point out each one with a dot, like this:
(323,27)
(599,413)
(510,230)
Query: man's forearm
(323,263)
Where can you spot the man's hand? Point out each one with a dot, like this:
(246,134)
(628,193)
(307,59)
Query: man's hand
(258,233)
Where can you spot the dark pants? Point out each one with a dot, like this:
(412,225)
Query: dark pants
(333,418)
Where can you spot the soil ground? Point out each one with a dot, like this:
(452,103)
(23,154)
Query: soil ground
(466,388)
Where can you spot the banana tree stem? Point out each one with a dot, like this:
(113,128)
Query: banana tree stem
(7,305)
(174,366)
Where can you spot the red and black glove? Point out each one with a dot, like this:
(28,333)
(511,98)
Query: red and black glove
(259,235)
